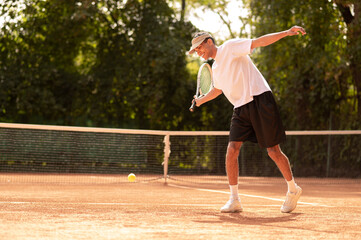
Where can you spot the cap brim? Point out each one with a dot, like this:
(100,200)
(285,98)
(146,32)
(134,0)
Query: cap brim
(197,41)
(190,51)
(193,48)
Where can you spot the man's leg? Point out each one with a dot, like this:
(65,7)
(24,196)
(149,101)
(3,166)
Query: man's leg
(232,162)
(281,161)
(283,164)
(234,204)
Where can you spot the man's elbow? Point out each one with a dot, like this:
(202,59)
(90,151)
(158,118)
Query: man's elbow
(257,43)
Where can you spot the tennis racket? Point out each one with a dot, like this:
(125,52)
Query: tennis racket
(204,82)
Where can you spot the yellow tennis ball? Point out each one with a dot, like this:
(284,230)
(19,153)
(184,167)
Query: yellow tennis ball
(131,177)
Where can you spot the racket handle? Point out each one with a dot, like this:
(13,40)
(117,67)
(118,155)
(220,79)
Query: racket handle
(193,106)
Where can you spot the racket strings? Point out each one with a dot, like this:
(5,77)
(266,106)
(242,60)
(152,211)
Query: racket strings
(205,81)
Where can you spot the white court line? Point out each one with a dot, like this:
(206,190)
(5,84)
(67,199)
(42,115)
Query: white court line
(131,204)
(247,195)
(110,203)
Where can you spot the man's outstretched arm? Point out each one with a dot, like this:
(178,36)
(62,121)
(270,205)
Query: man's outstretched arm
(268,39)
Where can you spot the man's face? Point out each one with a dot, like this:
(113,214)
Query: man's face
(203,50)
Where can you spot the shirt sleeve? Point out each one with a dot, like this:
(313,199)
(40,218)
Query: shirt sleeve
(240,47)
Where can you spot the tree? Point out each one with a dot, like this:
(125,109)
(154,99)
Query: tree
(96,63)
(353,23)
(310,75)
(38,46)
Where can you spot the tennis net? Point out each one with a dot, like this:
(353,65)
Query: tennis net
(98,155)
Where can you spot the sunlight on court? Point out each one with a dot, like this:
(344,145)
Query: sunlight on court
(155,210)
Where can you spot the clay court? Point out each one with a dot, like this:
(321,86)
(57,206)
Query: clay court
(187,207)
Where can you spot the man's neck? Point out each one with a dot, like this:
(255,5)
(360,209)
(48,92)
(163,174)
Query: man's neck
(214,54)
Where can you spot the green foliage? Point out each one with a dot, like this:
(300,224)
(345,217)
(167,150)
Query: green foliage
(95,63)
(309,74)
(123,64)
(39,79)
(141,67)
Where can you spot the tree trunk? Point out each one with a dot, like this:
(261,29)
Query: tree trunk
(355,53)
(183,9)
(353,22)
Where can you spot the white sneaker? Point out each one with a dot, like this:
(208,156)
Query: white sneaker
(291,201)
(233,205)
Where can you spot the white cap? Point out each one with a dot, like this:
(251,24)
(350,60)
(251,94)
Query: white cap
(197,41)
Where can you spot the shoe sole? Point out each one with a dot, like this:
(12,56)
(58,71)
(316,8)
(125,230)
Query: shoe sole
(234,211)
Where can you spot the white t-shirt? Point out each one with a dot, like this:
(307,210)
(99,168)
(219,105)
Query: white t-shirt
(235,74)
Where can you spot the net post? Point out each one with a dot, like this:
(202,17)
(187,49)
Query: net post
(166,155)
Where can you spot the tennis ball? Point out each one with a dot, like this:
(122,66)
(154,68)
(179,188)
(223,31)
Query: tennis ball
(131,177)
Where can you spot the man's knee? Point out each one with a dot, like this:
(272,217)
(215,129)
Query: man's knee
(233,148)
(274,152)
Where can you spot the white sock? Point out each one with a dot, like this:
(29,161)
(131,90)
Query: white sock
(291,186)
(234,191)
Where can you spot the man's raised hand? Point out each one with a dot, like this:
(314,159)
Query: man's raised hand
(296,30)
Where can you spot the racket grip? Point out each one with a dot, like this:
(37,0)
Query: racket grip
(193,106)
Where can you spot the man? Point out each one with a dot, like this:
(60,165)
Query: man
(255,115)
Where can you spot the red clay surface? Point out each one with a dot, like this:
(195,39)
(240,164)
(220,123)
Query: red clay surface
(42,209)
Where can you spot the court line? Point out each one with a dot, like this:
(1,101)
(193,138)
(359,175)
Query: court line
(131,204)
(108,203)
(247,195)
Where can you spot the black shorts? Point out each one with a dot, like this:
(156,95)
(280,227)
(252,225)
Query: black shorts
(258,121)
